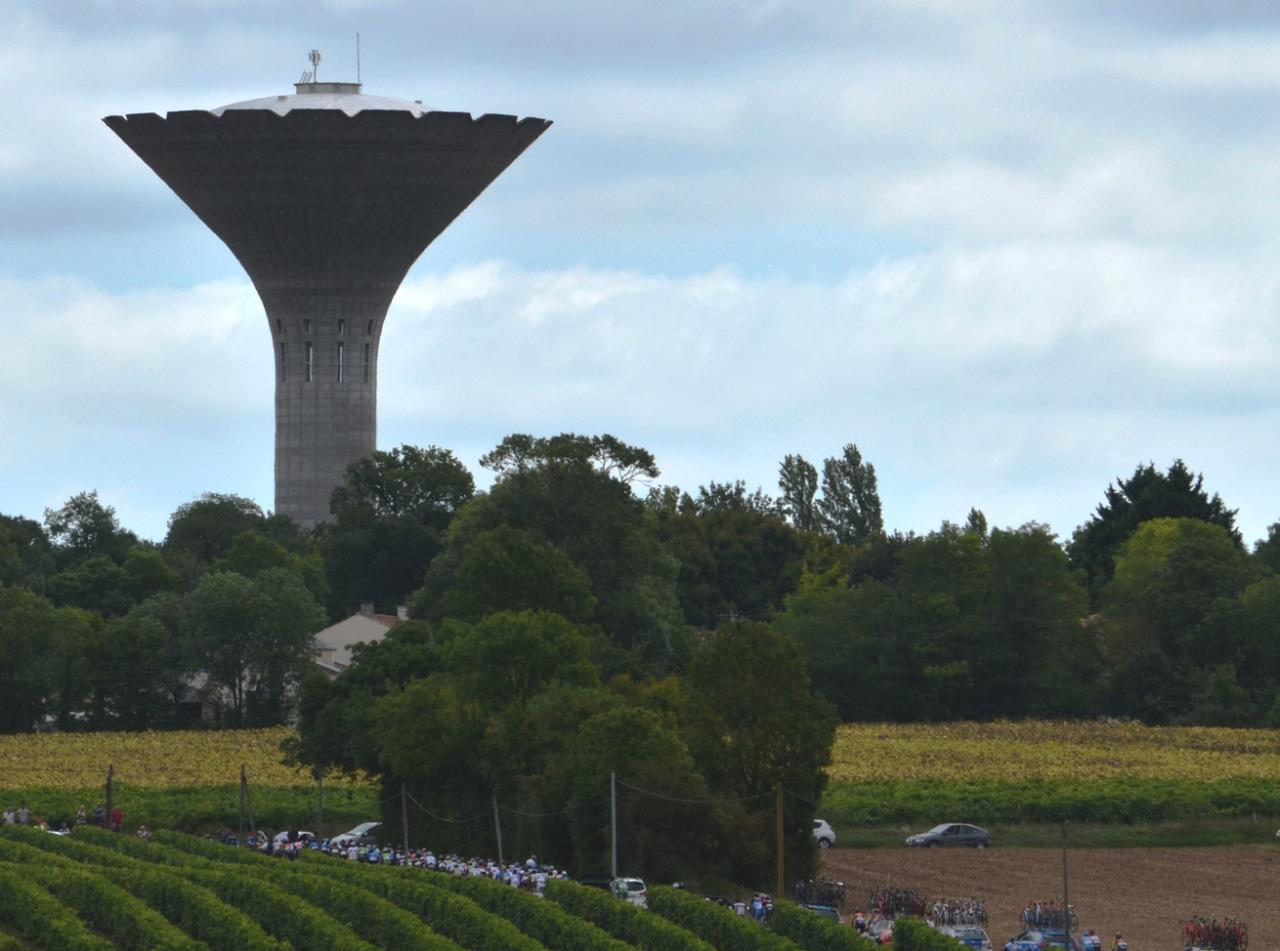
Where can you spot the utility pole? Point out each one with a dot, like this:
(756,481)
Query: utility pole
(613,822)
(782,880)
(497,828)
(111,789)
(1066,900)
(404,817)
(243,802)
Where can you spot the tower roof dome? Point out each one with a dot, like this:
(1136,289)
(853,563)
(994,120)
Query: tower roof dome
(346,97)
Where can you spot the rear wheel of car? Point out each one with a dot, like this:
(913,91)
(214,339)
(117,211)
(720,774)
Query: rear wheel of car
(824,843)
(934,844)
(980,845)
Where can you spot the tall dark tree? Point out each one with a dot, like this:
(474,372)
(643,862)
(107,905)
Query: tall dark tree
(390,515)
(798,480)
(83,527)
(33,550)
(205,527)
(571,493)
(850,505)
(1267,550)
(1147,494)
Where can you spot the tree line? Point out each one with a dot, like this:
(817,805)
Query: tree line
(579,619)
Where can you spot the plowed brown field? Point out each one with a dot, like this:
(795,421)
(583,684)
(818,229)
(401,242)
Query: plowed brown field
(1144,894)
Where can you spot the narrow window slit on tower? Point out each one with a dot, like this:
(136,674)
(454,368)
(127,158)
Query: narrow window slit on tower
(279,326)
(284,363)
(339,363)
(306,326)
(366,363)
(309,361)
(342,327)
(368,330)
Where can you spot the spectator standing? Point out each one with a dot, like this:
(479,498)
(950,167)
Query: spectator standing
(117,819)
(24,815)
(9,817)
(80,816)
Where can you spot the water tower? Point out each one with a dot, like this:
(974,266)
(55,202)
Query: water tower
(326,196)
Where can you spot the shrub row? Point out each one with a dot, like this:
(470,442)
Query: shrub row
(623,920)
(1035,800)
(37,915)
(109,909)
(374,919)
(549,923)
(812,931)
(280,913)
(9,943)
(449,914)
(197,910)
(65,846)
(209,849)
(714,923)
(912,934)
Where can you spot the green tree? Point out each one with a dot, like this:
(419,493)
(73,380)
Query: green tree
(1147,494)
(850,505)
(755,724)
(83,528)
(254,637)
(570,493)
(42,650)
(1267,550)
(507,570)
(147,573)
(1170,577)
(33,549)
(390,515)
(95,584)
(798,480)
(205,527)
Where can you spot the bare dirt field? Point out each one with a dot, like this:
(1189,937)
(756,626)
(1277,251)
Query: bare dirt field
(1144,894)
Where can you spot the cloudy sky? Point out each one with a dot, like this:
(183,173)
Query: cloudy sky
(1010,249)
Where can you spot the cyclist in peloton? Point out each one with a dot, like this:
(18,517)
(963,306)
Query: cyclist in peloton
(1119,944)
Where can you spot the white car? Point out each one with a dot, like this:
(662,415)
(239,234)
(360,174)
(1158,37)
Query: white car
(360,835)
(282,838)
(823,832)
(632,889)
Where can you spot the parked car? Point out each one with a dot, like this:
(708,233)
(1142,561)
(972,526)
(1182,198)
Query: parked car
(632,889)
(968,935)
(952,833)
(823,832)
(1036,940)
(360,835)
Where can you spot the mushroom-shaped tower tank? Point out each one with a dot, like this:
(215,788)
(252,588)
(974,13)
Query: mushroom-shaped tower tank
(326,197)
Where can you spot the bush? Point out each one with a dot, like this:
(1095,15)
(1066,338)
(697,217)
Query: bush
(197,910)
(447,913)
(912,934)
(110,909)
(713,923)
(812,931)
(280,913)
(374,919)
(623,920)
(547,922)
(35,913)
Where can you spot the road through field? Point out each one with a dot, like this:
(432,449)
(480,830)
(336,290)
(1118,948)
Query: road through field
(1143,893)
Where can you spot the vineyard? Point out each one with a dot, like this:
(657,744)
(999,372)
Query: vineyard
(99,890)
(886,774)
(881,775)
(185,779)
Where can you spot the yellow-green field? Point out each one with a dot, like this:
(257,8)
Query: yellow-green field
(1041,750)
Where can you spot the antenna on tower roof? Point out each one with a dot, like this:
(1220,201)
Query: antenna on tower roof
(314,56)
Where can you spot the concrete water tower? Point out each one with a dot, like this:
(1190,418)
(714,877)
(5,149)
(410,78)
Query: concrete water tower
(326,197)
